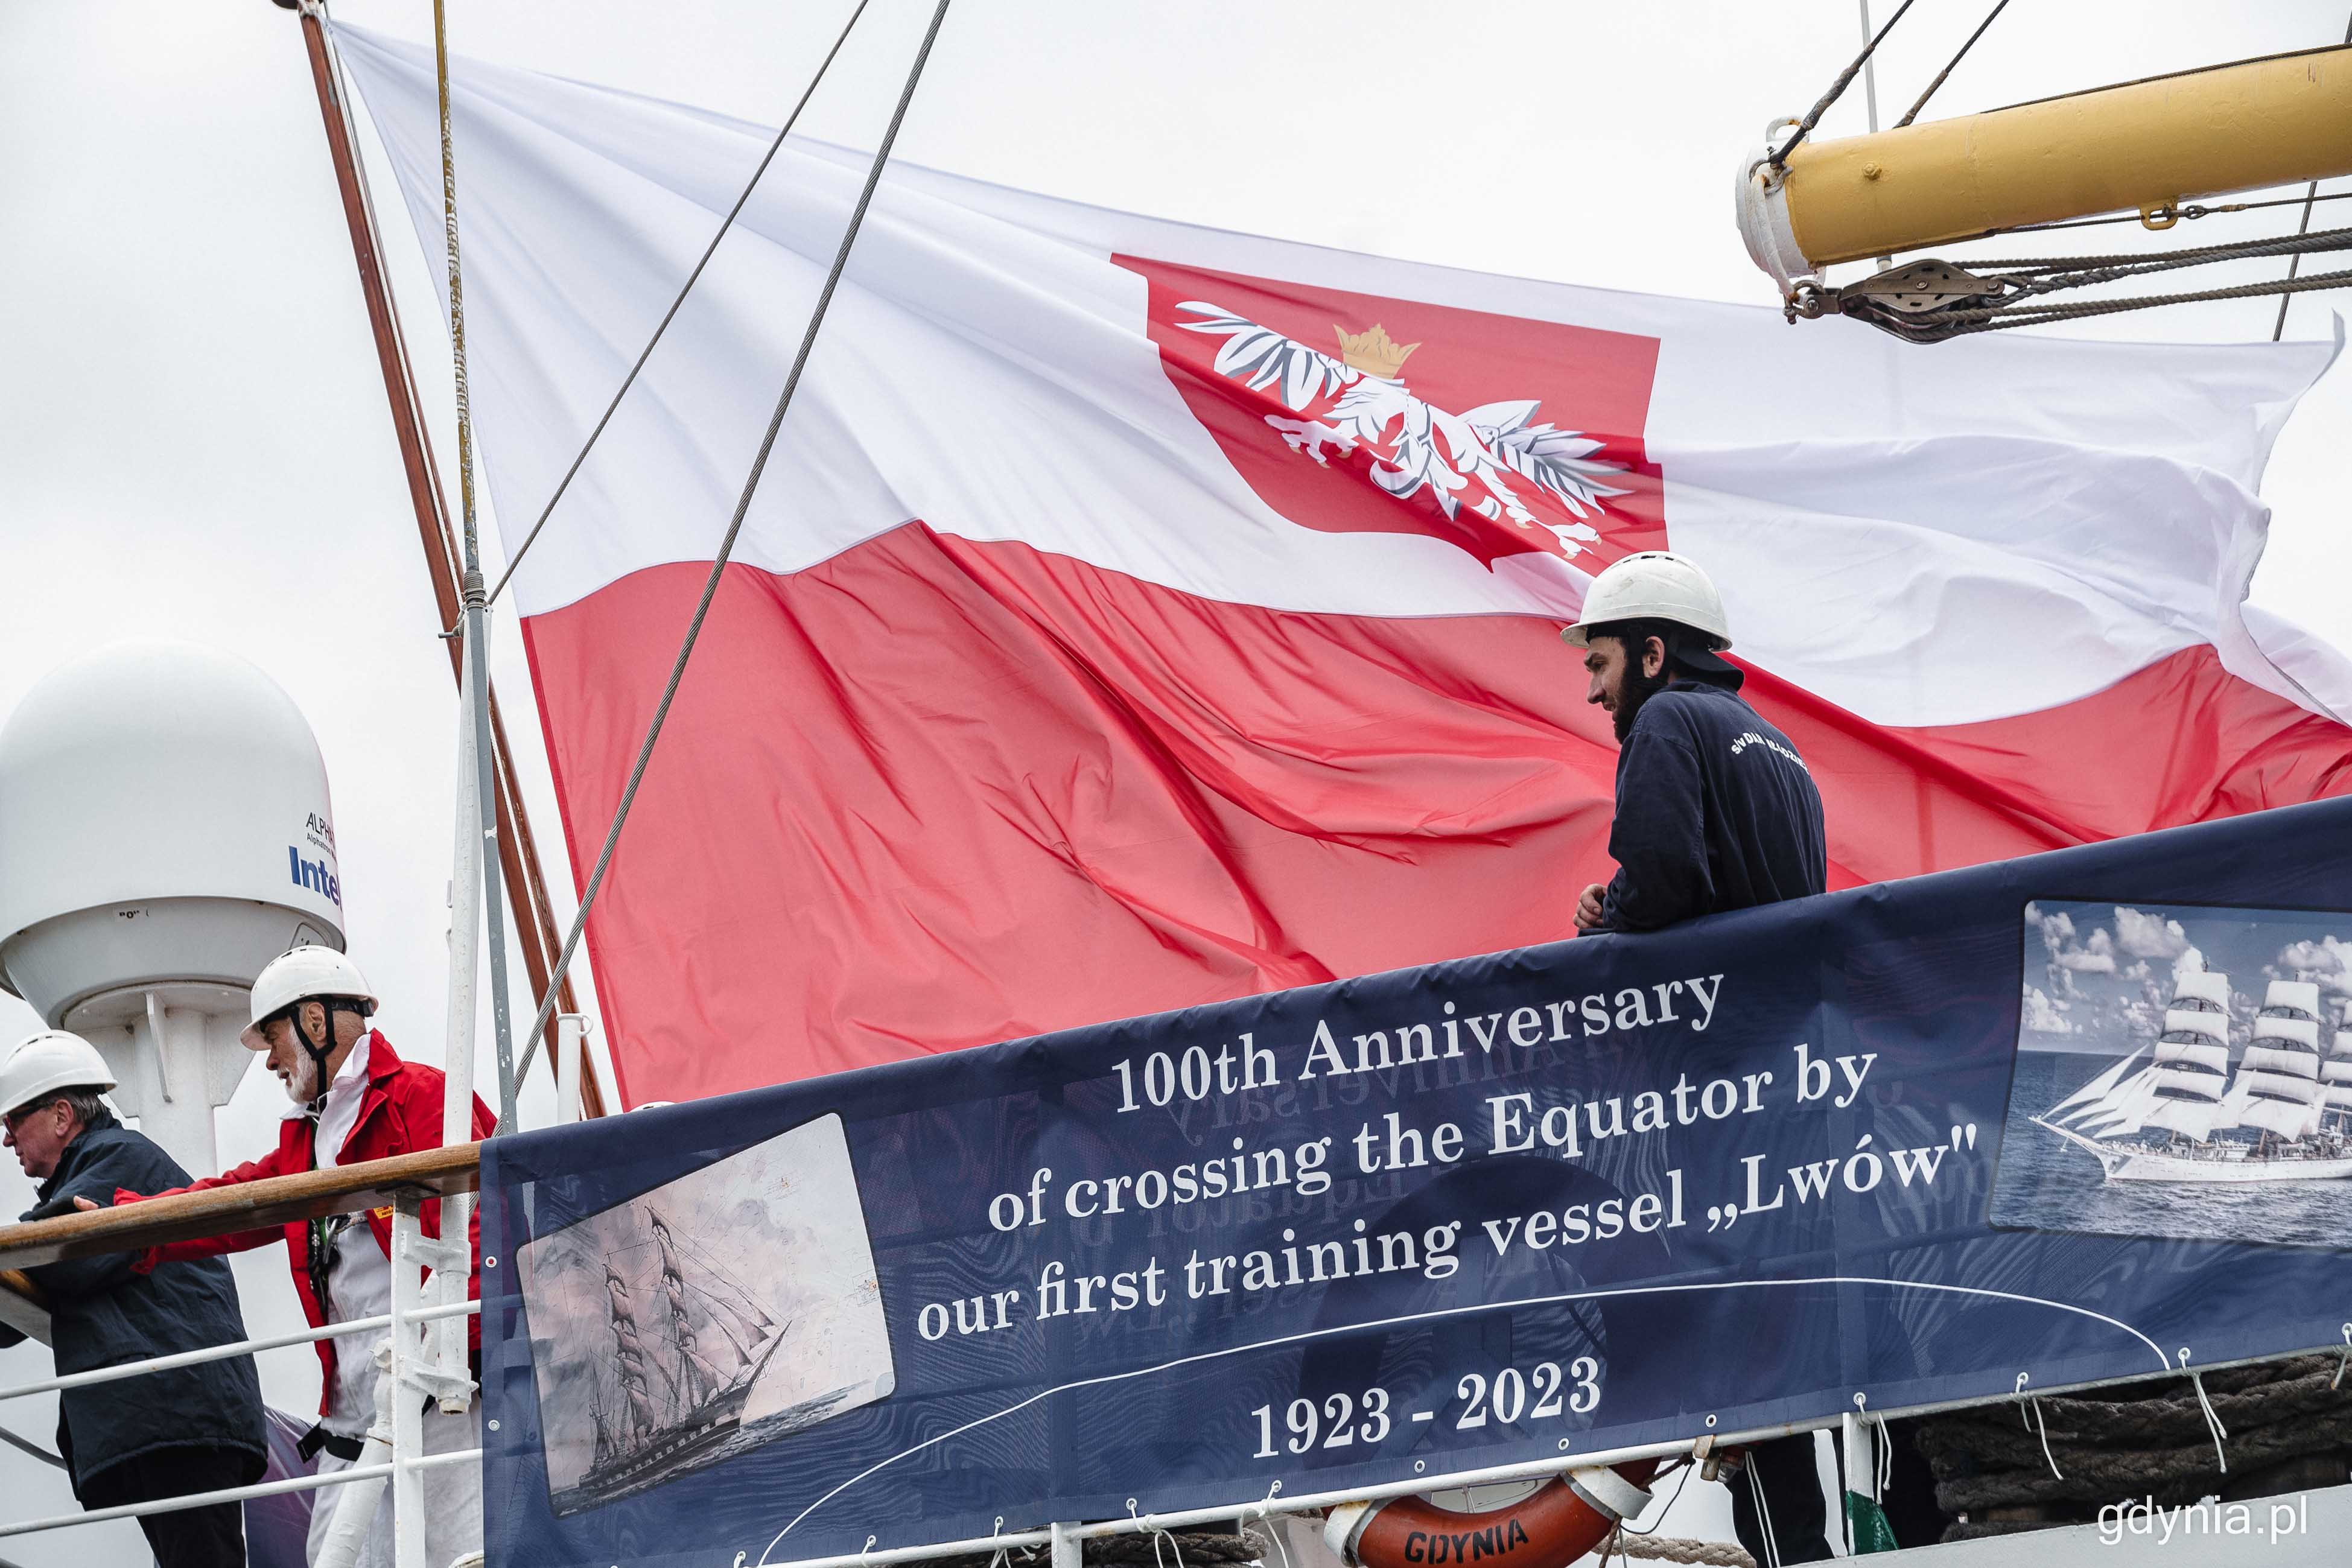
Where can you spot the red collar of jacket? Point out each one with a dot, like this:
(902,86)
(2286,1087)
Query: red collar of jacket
(299,1132)
(382,1060)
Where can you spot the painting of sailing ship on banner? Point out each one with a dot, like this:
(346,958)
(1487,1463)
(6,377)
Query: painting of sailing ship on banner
(2182,1072)
(698,1321)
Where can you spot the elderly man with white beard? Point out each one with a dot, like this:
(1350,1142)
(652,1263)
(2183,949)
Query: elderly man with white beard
(353,1099)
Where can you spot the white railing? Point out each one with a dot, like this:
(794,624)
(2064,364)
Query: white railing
(417,1364)
(235,1494)
(223,1351)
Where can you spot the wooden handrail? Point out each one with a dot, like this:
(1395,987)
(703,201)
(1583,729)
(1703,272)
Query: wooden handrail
(248,1206)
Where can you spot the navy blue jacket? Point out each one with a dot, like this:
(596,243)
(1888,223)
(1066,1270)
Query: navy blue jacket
(102,1312)
(1715,810)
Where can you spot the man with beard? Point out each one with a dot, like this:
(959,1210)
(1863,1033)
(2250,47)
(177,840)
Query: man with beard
(353,1099)
(1715,812)
(1715,809)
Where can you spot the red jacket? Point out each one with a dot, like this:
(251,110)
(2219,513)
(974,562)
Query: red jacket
(399,1114)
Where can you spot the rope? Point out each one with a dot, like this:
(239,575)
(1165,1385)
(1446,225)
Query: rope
(2205,1402)
(2011,288)
(1266,1531)
(1845,78)
(475,651)
(2126,264)
(2051,313)
(456,293)
(630,379)
(2041,1427)
(1763,1515)
(1671,1549)
(726,549)
(1624,1527)
(2295,261)
(1913,112)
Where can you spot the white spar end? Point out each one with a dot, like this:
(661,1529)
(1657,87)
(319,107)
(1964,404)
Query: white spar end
(1760,197)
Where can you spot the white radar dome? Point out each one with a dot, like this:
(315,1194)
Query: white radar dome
(165,832)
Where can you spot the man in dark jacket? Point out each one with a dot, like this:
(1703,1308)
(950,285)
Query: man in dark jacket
(1716,810)
(162,1434)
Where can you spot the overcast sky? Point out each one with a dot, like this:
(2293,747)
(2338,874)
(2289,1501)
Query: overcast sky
(193,435)
(2099,978)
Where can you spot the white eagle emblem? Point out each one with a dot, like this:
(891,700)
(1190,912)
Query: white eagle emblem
(1359,400)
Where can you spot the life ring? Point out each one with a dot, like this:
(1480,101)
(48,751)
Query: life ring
(1540,1524)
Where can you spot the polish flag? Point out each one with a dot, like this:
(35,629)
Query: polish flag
(1136,616)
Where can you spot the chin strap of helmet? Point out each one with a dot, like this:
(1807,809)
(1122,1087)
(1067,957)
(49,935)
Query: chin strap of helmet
(320,1050)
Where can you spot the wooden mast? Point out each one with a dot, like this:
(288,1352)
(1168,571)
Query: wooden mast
(518,861)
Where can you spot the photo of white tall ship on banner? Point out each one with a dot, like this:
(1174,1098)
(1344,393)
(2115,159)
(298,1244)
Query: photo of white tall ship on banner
(2172,1112)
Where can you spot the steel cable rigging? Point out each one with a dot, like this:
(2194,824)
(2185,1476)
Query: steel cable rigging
(1928,301)
(1780,157)
(1912,114)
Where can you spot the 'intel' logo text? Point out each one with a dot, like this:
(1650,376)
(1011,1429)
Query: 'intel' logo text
(314,876)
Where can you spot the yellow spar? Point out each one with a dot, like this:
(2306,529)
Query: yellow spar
(2143,146)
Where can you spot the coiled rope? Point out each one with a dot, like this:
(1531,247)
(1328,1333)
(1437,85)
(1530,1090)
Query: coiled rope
(2167,1439)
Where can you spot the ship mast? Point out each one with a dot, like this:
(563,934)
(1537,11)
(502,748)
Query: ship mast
(629,1356)
(2193,1058)
(698,1379)
(2278,1079)
(2336,1073)
(604,1430)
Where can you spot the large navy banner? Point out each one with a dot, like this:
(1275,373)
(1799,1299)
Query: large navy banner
(2073,1117)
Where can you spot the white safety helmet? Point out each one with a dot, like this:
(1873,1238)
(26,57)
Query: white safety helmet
(301,975)
(43,1064)
(1653,585)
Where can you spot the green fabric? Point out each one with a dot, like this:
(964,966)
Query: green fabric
(1866,1523)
